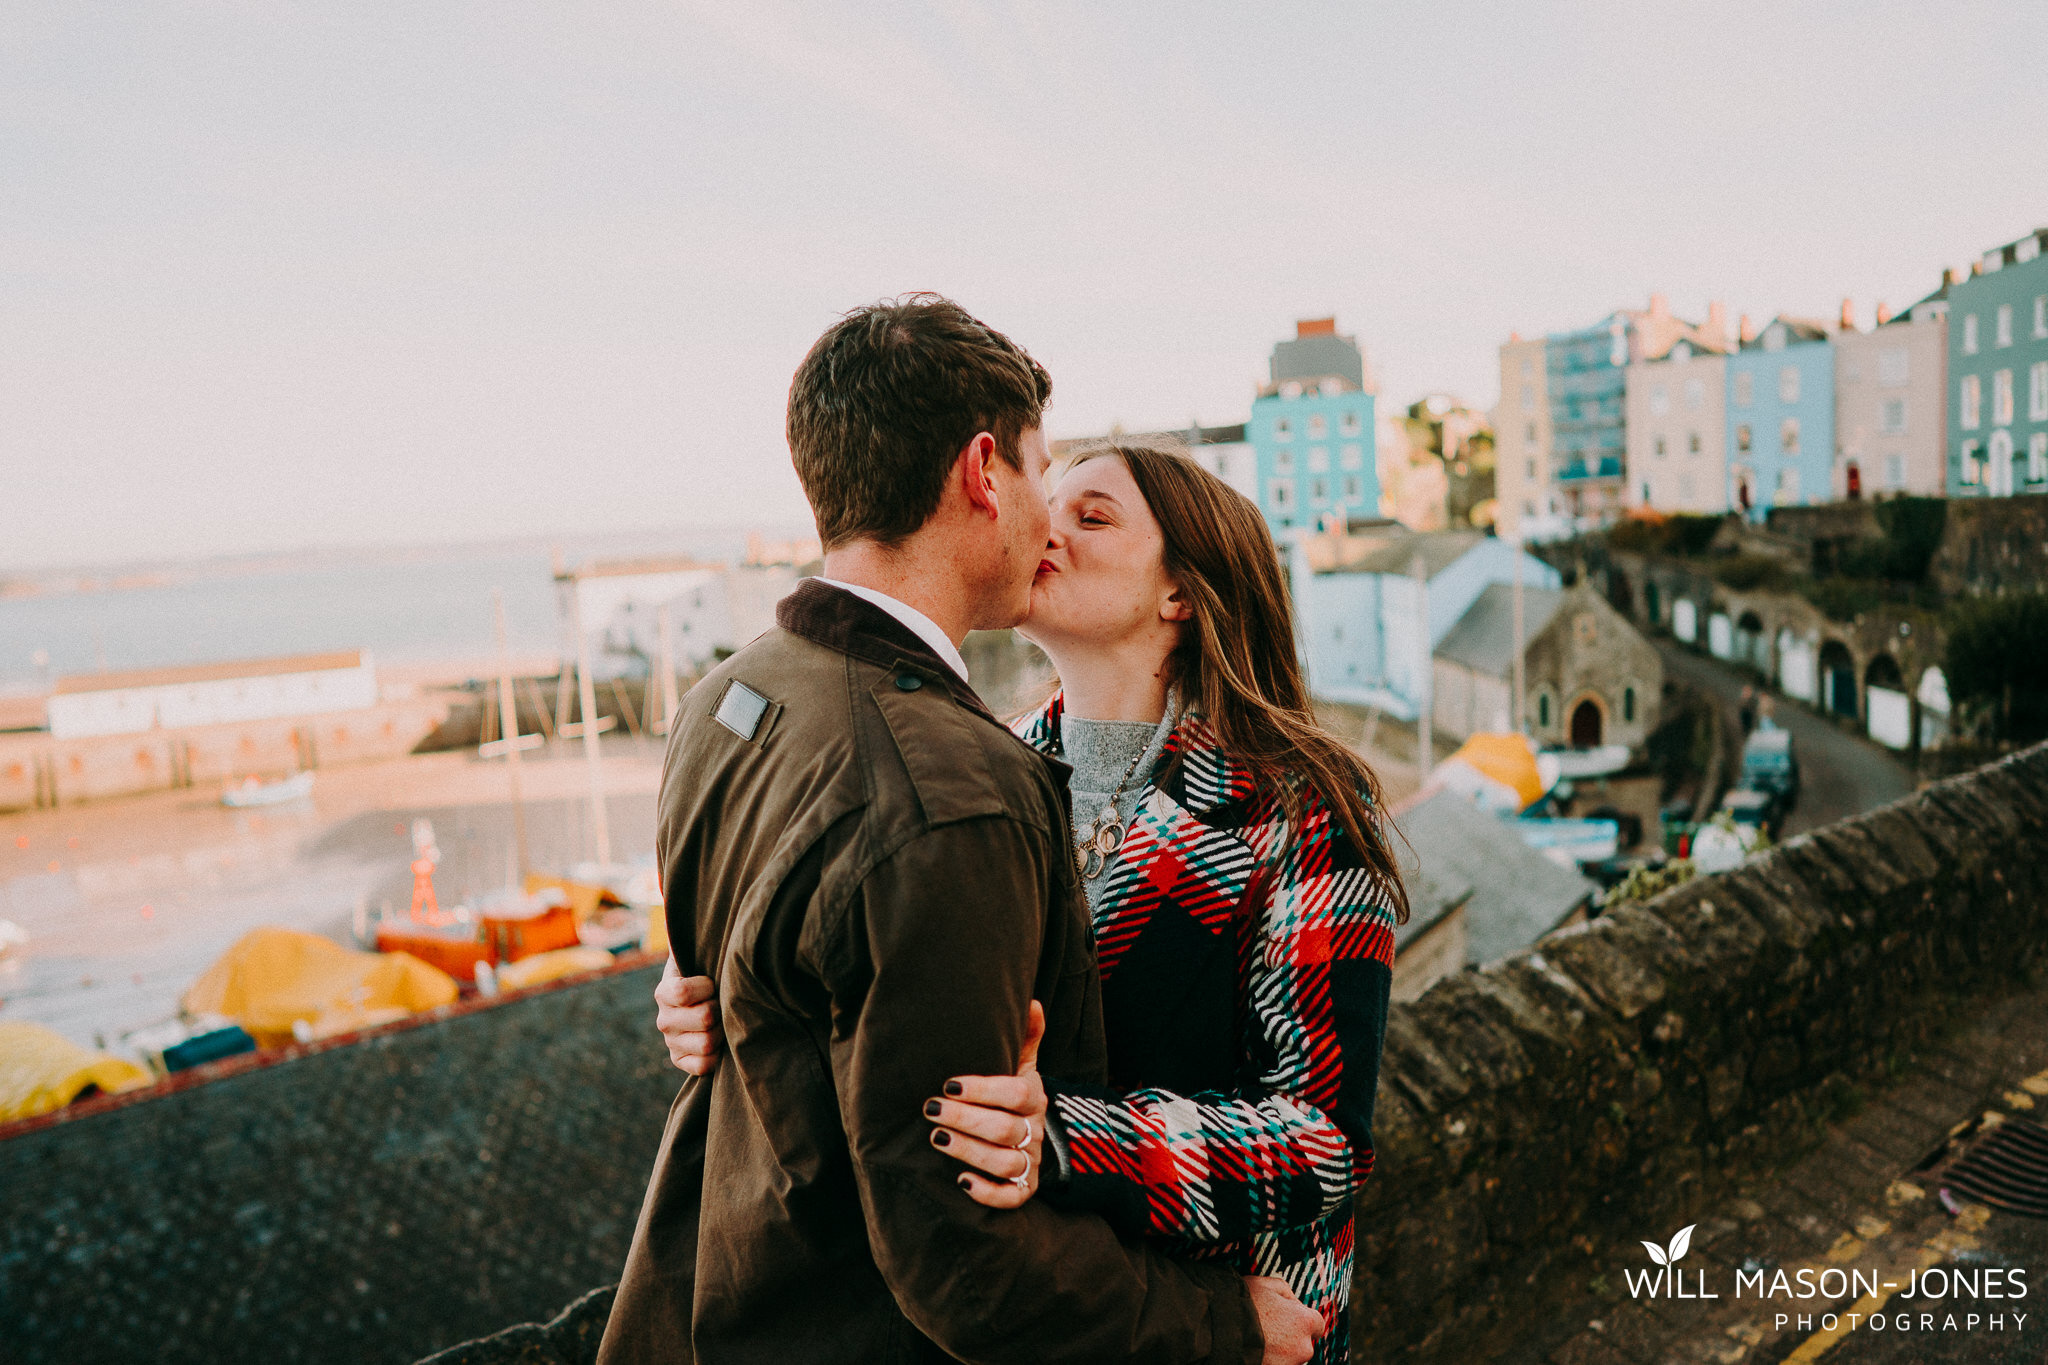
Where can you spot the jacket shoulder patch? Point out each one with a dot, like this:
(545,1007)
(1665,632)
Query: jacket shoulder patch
(740,709)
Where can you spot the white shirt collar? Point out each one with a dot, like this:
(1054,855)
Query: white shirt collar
(920,625)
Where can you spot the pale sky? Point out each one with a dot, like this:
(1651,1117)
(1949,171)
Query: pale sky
(277,274)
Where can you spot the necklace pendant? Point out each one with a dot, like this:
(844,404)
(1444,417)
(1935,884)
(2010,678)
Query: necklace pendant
(1092,864)
(1109,838)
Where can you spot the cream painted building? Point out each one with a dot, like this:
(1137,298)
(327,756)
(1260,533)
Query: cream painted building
(1891,418)
(1527,498)
(1677,431)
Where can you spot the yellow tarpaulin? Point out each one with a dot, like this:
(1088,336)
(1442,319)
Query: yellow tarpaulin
(274,978)
(41,1070)
(584,899)
(1508,759)
(552,966)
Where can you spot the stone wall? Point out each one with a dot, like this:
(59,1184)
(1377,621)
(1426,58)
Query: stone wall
(373,1200)
(1624,1075)
(1993,545)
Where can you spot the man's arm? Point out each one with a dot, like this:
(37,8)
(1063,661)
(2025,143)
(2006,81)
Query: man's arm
(931,968)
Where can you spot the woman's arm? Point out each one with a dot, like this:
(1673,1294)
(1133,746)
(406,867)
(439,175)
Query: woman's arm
(1295,1143)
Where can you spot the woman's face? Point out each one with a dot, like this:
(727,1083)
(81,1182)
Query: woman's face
(1102,579)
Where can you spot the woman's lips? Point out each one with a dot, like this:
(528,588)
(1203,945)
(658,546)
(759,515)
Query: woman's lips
(1046,566)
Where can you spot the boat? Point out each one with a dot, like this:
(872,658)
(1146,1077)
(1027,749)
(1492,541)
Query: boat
(252,792)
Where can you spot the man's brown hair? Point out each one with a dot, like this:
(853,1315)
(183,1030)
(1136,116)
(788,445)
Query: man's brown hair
(882,405)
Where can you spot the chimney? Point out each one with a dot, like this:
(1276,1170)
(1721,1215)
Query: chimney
(1884,312)
(1660,306)
(1848,315)
(1316,327)
(1746,332)
(1717,322)
(1976,269)
(1948,276)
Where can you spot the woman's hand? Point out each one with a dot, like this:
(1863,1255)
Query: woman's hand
(686,1012)
(995,1126)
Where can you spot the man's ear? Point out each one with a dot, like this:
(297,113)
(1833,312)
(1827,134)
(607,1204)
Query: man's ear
(976,467)
(1176,607)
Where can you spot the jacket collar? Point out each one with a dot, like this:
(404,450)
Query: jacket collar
(852,625)
(1207,779)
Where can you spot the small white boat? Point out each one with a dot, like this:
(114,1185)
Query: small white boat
(254,793)
(12,937)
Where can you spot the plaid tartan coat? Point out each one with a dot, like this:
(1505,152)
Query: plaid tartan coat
(1245,975)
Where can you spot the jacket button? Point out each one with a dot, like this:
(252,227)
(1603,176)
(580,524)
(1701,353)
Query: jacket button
(908,682)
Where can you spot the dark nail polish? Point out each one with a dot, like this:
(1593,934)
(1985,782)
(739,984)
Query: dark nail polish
(942,1139)
(931,1109)
(964,1183)
(953,1087)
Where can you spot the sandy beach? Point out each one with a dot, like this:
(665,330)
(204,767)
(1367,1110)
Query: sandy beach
(127,901)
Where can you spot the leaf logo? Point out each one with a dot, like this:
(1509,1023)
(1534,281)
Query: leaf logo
(1676,1252)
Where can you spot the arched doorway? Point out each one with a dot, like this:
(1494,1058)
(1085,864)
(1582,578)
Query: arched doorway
(1587,724)
(1933,697)
(1838,679)
(1651,600)
(1795,665)
(1750,645)
(1998,474)
(1855,477)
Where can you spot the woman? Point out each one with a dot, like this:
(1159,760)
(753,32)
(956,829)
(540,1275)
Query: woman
(1243,894)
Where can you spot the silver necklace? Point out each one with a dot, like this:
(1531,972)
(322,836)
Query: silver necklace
(1105,834)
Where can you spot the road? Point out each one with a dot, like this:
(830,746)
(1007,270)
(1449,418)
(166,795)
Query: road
(1840,774)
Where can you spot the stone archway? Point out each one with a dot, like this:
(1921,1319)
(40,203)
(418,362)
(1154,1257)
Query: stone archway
(1588,723)
(1838,679)
(1752,645)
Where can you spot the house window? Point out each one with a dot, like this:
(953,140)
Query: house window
(1970,334)
(1318,427)
(2037,458)
(1788,384)
(1349,424)
(1628,703)
(1744,390)
(1788,486)
(1892,367)
(1660,447)
(1319,491)
(1692,443)
(1788,436)
(2004,324)
(1528,367)
(1892,418)
(1695,394)
(2041,315)
(1532,433)
(1968,474)
(1742,437)
(1528,396)
(1894,471)
(1354,488)
(1353,457)
(2001,398)
(1283,429)
(1330,388)
(2037,392)
(1318,457)
(1660,401)
(1281,494)
(1972,403)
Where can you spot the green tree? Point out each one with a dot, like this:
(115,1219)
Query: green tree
(1997,663)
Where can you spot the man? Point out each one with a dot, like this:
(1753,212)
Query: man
(877,874)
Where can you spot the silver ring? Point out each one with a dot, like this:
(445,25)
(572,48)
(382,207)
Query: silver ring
(1026,1140)
(1023,1182)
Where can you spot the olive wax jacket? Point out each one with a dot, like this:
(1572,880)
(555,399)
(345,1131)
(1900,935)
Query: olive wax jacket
(879,877)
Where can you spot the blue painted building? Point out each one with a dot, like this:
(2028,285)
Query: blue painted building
(1588,386)
(1781,418)
(1311,433)
(1998,373)
(1362,619)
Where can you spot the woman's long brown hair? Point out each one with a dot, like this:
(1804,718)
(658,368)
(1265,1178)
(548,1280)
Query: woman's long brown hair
(1237,663)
